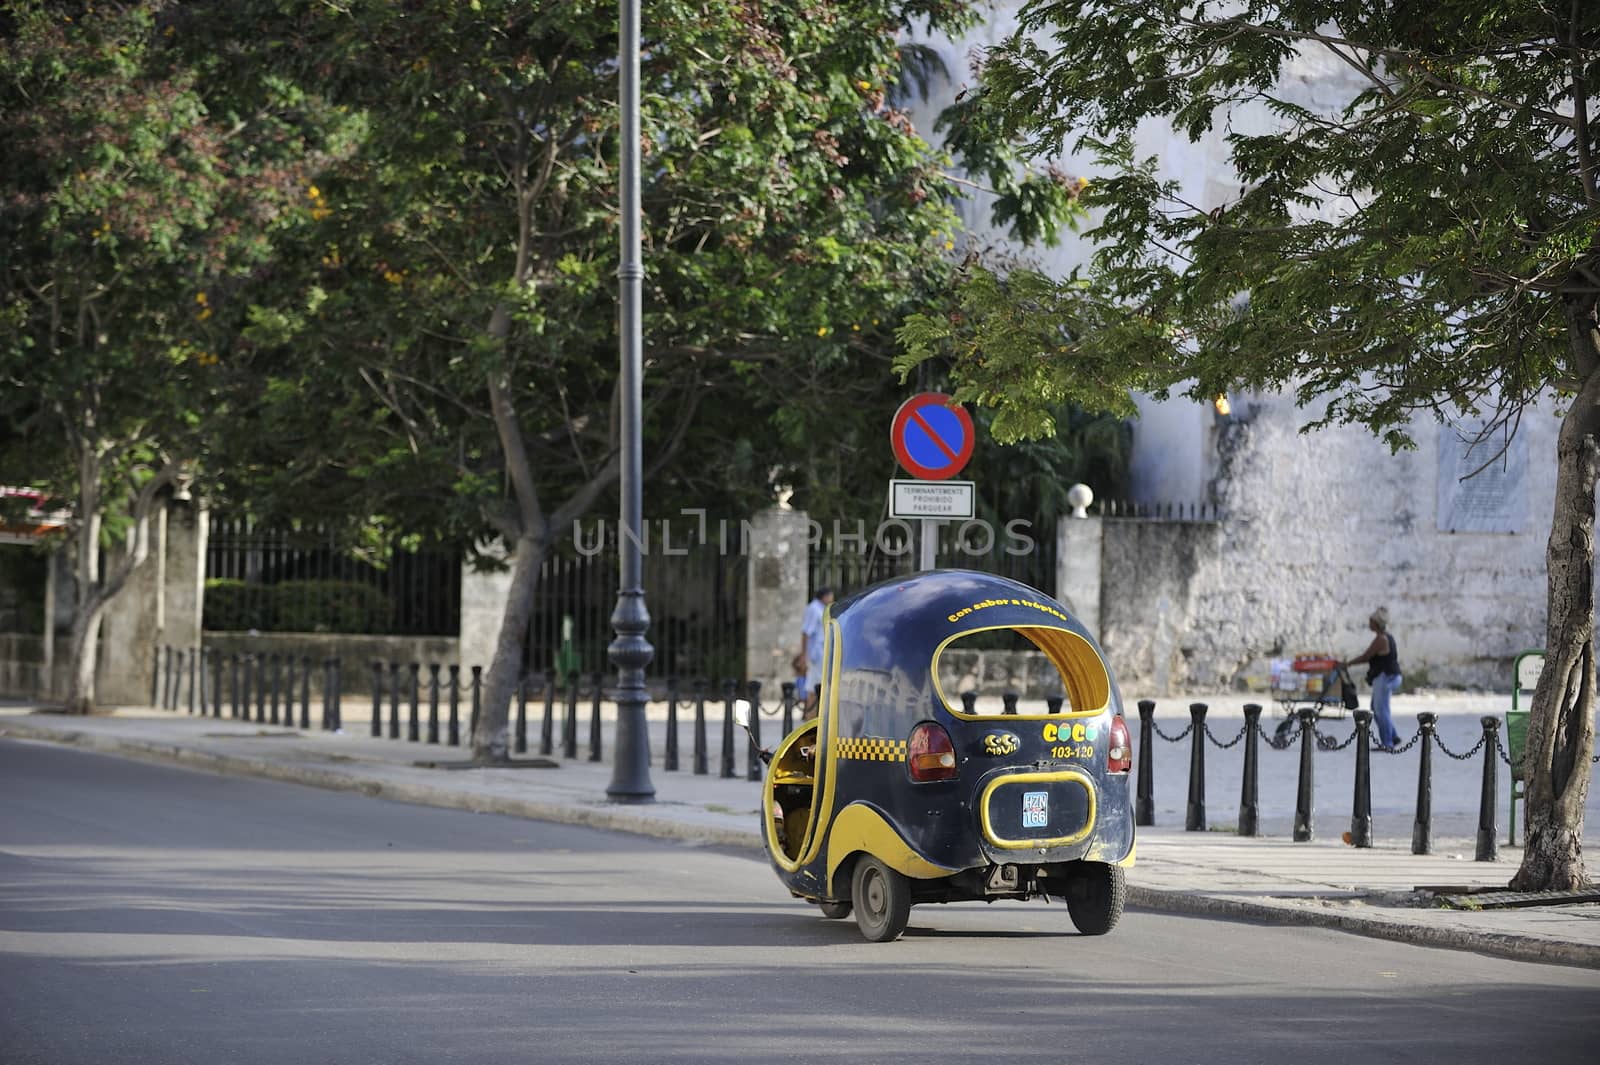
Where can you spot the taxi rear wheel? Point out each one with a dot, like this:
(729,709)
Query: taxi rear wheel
(882,900)
(834,910)
(1096,898)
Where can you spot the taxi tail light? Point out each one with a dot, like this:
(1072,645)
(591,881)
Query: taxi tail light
(930,754)
(1119,755)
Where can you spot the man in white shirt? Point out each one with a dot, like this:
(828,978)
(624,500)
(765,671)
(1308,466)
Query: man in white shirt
(808,663)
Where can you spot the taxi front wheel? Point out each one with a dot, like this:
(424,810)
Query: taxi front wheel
(882,900)
(1096,896)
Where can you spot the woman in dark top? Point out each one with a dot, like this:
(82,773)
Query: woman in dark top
(1383,674)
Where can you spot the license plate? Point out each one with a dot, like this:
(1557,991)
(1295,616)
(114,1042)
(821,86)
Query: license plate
(1035,809)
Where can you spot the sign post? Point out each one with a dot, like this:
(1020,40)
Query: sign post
(932,439)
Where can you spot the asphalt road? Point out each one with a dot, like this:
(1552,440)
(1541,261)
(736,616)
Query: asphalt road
(151,914)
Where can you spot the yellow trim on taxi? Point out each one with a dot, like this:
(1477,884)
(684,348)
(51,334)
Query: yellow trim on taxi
(827,767)
(861,828)
(1007,843)
(1082,670)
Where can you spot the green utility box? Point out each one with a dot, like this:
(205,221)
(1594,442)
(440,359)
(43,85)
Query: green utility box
(1525,678)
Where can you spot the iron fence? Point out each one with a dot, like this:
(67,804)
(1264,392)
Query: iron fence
(273,580)
(695,592)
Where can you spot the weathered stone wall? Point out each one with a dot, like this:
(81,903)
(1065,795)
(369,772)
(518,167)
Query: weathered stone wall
(1324,528)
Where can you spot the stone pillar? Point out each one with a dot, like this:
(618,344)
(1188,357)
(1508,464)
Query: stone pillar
(779,561)
(1078,548)
(483,604)
(130,628)
(184,574)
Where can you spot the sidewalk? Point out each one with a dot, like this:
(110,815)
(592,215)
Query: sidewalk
(1268,879)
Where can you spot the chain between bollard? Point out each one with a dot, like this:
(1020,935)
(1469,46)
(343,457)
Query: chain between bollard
(1404,747)
(1231,743)
(1173,739)
(1476,747)
(1327,743)
(1501,747)
(1291,738)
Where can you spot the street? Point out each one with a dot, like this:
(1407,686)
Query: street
(152,914)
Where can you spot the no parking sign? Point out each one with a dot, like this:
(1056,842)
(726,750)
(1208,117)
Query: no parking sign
(932,437)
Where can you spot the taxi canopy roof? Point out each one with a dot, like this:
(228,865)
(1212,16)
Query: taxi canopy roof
(896,629)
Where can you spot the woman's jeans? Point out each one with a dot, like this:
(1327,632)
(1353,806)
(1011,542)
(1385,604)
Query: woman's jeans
(1382,688)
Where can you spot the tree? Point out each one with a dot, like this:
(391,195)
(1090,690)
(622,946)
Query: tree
(1431,246)
(457,297)
(126,202)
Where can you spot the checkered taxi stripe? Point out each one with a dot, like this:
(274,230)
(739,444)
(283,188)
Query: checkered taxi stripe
(872,748)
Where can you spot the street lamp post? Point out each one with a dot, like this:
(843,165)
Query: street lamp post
(630,652)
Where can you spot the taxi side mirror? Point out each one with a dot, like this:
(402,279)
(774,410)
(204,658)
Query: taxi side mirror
(741,712)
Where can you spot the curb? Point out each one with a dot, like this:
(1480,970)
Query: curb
(1516,948)
(1495,944)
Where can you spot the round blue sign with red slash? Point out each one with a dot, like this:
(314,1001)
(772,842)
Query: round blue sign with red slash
(932,437)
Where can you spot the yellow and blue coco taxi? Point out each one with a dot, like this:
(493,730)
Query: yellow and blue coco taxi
(898,793)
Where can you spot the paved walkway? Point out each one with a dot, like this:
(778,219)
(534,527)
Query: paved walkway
(1323,882)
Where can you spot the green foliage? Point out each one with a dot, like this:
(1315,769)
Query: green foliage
(330,606)
(237,606)
(794,216)
(134,213)
(1426,244)
(296,606)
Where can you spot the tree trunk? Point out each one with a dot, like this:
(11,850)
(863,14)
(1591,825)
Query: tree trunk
(84,651)
(491,740)
(1561,726)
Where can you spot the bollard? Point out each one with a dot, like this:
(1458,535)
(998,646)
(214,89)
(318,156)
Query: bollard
(521,742)
(216,684)
(453,727)
(1009,701)
(394,700)
(477,705)
(1249,795)
(1487,847)
(730,689)
(377,699)
(1306,788)
(1361,811)
(753,754)
(288,691)
(196,673)
(594,720)
(787,689)
(433,702)
(1052,704)
(338,694)
(548,726)
(969,703)
(327,694)
(669,757)
(246,692)
(1422,826)
(1144,806)
(166,681)
(1194,817)
(569,725)
(700,756)
(413,719)
(155,679)
(258,680)
(275,667)
(305,692)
